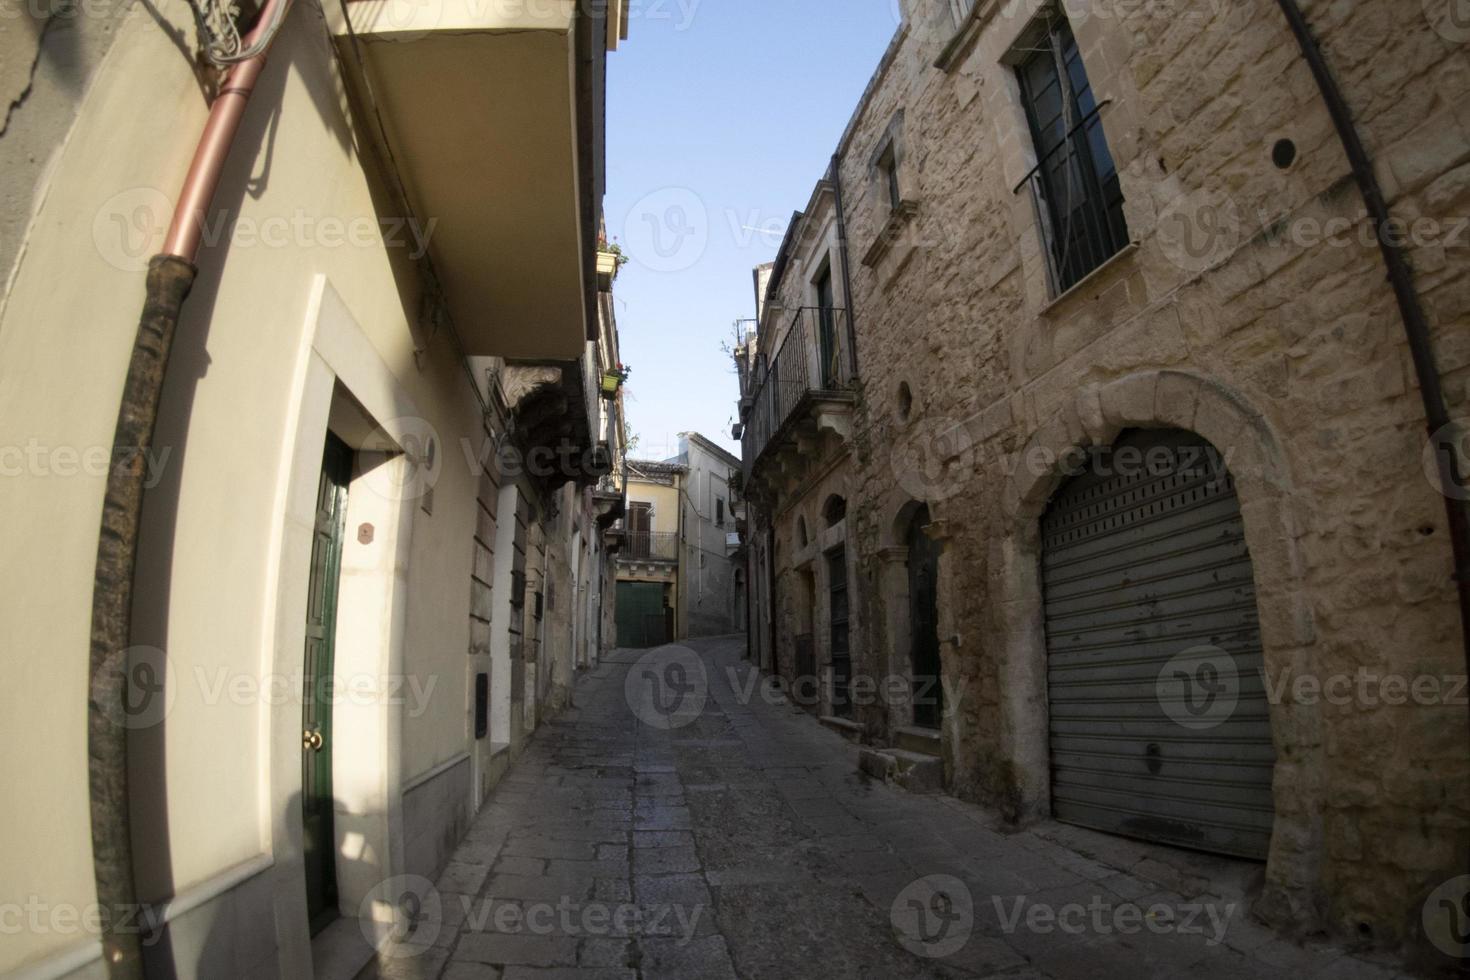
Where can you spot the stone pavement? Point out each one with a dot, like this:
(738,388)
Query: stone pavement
(734,837)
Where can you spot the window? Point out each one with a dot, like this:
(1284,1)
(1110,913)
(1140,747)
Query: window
(719,512)
(1075,183)
(826,328)
(960,9)
(888,168)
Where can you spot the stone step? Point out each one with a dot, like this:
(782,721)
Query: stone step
(847,728)
(924,741)
(913,771)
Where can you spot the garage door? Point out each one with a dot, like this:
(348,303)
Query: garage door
(1159,722)
(640,614)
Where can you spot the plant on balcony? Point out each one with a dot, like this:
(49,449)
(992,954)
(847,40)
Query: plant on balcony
(610,257)
(613,380)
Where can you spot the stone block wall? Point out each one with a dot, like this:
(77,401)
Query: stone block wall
(1249,308)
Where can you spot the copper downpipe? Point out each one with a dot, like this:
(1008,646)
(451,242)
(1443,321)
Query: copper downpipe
(190,212)
(170,277)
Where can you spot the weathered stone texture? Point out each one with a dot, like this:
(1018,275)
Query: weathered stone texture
(1282,347)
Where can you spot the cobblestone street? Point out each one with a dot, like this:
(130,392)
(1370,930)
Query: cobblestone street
(750,846)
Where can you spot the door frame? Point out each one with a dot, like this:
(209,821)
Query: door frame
(338,373)
(1263,478)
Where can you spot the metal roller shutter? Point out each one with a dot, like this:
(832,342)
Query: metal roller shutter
(1159,719)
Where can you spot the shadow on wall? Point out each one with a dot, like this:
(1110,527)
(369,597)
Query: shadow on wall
(235,935)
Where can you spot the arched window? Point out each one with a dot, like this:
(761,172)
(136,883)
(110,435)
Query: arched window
(834,510)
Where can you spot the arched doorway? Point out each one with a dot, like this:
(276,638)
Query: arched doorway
(1159,724)
(923,562)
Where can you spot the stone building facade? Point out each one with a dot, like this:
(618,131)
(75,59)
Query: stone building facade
(1048,232)
(709,578)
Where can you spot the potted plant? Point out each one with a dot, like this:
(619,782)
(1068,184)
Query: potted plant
(610,259)
(613,380)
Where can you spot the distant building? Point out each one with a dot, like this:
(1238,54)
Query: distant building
(648,560)
(708,576)
(679,570)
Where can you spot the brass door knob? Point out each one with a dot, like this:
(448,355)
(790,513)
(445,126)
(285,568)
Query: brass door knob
(311,739)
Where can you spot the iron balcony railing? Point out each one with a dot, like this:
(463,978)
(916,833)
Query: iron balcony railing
(1078,202)
(814,356)
(651,546)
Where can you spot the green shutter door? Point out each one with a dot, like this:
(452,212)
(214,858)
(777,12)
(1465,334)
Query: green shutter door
(316,713)
(640,614)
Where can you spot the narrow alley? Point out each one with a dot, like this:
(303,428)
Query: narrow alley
(727,834)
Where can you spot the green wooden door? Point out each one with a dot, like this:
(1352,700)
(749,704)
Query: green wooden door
(316,713)
(640,614)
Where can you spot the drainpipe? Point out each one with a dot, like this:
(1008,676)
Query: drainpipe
(170,277)
(846,271)
(1416,329)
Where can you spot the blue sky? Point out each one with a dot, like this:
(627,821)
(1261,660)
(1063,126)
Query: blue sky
(721,116)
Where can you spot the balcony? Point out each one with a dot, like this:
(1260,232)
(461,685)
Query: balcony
(491,113)
(803,393)
(650,546)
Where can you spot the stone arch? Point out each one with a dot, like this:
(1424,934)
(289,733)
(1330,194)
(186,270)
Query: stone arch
(1252,453)
(834,510)
(896,529)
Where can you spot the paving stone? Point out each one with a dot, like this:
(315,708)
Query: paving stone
(672,959)
(610,868)
(502,949)
(754,817)
(539,887)
(665,860)
(567,973)
(600,951)
(463,879)
(515,864)
(470,971)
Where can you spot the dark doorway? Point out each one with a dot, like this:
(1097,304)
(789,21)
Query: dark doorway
(827,327)
(841,652)
(640,523)
(320,839)
(924,622)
